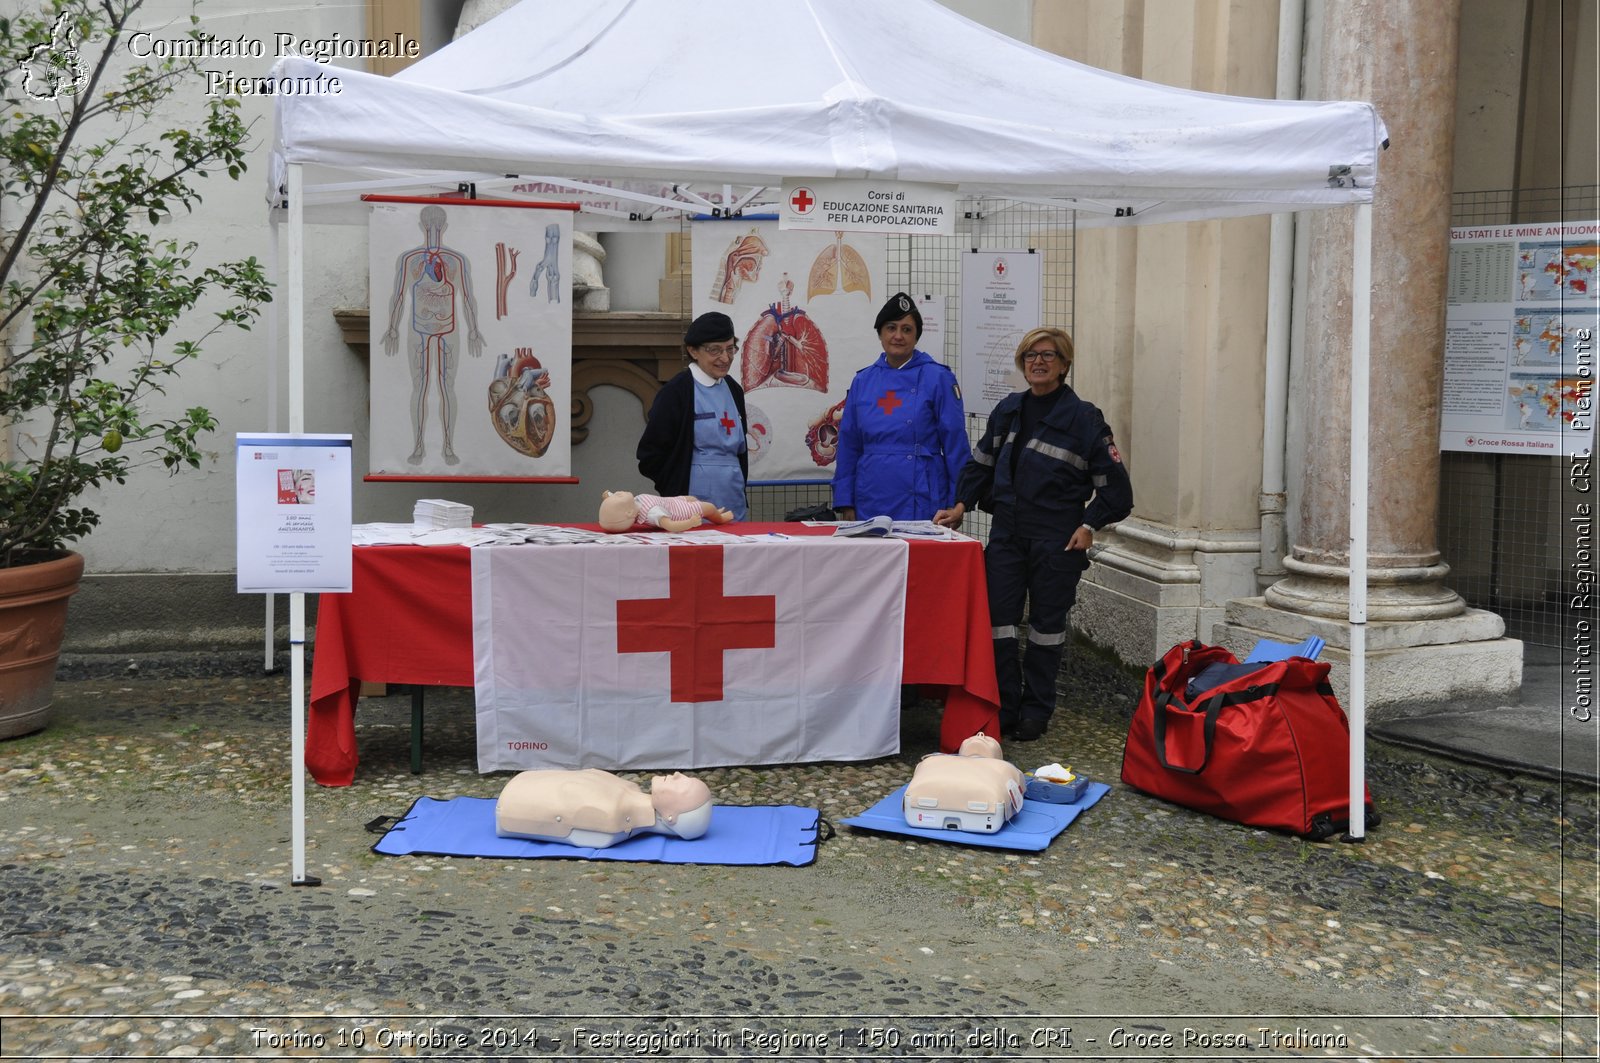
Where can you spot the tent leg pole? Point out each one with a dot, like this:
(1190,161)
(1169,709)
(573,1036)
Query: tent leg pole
(297,744)
(1360,371)
(297,600)
(274,270)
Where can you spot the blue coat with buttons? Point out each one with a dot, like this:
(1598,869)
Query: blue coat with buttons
(902,440)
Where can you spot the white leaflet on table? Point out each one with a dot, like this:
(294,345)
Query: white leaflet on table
(381,534)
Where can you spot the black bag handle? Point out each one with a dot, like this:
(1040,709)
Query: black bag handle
(1213,706)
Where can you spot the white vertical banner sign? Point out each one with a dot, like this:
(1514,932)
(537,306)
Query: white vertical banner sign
(802,305)
(931,307)
(1523,311)
(471,339)
(1000,302)
(292,501)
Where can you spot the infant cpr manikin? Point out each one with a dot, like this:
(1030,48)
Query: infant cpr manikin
(595,809)
(971,790)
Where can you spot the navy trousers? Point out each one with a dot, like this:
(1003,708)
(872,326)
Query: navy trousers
(1042,573)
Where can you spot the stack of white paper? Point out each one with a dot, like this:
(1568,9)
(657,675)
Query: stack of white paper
(439,513)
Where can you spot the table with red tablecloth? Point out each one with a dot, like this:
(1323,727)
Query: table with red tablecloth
(408,620)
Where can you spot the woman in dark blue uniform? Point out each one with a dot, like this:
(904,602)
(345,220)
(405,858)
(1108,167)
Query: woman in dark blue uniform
(903,434)
(1049,471)
(694,439)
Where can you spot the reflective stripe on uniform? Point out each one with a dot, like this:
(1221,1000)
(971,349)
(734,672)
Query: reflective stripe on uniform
(1058,453)
(1042,638)
(1007,632)
(1099,482)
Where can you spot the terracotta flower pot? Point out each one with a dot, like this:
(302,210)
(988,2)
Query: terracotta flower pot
(33,618)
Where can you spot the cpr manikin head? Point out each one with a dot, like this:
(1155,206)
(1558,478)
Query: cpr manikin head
(617,510)
(682,804)
(980,745)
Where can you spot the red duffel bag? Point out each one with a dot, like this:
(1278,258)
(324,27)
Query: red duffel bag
(1269,747)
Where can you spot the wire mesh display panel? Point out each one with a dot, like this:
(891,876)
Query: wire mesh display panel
(931,266)
(1500,522)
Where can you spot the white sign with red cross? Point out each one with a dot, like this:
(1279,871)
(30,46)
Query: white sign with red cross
(869,206)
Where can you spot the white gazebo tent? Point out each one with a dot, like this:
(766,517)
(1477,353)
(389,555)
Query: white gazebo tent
(737,95)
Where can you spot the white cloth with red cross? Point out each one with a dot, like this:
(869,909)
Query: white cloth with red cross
(645,656)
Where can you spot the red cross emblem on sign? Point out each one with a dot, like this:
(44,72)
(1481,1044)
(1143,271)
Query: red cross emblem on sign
(889,403)
(727,423)
(999,267)
(696,623)
(802,200)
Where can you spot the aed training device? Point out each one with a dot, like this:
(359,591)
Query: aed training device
(974,794)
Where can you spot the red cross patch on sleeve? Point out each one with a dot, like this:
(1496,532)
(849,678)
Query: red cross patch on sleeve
(1111,448)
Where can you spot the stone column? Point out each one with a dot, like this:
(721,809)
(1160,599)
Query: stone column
(1425,646)
(1170,325)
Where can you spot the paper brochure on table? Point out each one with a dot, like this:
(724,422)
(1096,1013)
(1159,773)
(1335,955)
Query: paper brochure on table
(882,526)
(745,651)
(292,505)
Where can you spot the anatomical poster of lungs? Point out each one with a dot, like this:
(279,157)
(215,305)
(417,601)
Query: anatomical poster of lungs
(802,305)
(471,339)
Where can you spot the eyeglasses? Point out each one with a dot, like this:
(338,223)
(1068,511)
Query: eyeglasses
(717,350)
(1040,356)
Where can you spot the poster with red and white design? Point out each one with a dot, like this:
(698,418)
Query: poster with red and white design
(639,656)
(1001,296)
(802,305)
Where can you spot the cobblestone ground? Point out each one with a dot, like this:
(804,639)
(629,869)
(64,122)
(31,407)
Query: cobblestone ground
(145,859)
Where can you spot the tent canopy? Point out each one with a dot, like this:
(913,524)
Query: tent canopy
(754,91)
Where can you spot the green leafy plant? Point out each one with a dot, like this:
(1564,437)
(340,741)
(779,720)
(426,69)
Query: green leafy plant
(92,161)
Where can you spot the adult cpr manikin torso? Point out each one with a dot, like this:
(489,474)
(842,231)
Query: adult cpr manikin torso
(973,790)
(595,809)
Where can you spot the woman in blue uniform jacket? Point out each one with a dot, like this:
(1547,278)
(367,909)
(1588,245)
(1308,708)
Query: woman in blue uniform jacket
(694,439)
(1049,471)
(903,434)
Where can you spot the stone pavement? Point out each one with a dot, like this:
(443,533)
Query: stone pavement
(1540,735)
(144,851)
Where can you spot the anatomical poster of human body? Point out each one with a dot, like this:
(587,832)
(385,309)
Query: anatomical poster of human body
(802,305)
(471,340)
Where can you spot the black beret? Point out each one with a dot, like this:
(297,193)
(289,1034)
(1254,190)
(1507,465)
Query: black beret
(899,305)
(708,328)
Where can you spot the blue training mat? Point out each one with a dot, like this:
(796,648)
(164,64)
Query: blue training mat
(1032,829)
(739,834)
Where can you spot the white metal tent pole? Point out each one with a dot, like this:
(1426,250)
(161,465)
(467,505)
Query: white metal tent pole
(295,284)
(1360,362)
(274,267)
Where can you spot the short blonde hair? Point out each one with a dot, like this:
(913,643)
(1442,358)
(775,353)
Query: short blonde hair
(1058,339)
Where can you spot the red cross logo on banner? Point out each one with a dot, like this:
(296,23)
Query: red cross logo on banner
(1000,267)
(889,403)
(727,423)
(802,200)
(696,623)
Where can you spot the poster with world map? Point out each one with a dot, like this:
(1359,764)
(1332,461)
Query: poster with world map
(1522,320)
